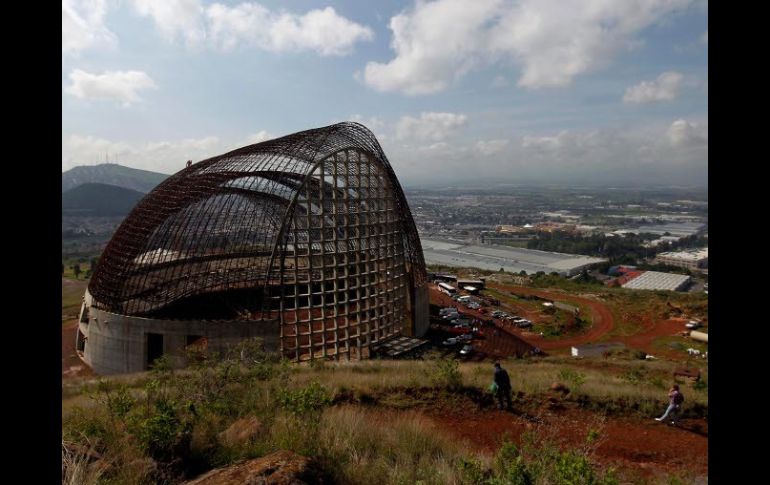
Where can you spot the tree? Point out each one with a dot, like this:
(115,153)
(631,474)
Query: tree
(76,270)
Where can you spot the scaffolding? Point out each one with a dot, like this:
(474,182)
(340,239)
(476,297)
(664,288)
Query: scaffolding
(312,229)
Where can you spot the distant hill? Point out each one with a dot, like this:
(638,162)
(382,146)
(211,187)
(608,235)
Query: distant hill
(99,200)
(111,174)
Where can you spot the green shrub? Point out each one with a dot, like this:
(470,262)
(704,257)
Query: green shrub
(446,373)
(310,399)
(163,434)
(471,471)
(575,378)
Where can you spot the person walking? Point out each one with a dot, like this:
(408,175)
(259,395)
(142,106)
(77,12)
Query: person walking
(675,400)
(503,383)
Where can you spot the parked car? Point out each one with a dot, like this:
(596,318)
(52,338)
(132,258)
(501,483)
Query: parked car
(692,324)
(465,336)
(524,324)
(467,350)
(450,341)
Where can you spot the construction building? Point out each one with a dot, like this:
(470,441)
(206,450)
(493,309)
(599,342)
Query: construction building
(305,241)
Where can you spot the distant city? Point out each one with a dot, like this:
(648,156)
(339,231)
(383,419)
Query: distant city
(614,234)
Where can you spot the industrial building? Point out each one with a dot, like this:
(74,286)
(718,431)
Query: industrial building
(655,280)
(493,257)
(693,259)
(305,241)
(679,229)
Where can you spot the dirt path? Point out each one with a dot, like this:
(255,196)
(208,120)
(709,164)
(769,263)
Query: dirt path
(603,322)
(644,446)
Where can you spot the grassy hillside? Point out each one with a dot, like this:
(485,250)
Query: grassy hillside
(95,199)
(363,422)
(112,174)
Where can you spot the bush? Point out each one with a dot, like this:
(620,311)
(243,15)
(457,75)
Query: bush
(163,434)
(471,471)
(311,399)
(575,378)
(446,373)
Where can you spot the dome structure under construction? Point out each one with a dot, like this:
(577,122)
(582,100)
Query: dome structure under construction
(306,241)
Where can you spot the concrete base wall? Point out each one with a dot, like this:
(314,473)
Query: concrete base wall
(117,344)
(421,311)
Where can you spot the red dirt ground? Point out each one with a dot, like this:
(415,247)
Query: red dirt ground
(663,328)
(521,341)
(603,321)
(644,447)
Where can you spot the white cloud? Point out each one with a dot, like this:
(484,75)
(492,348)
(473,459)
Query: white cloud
(82,25)
(683,133)
(433,148)
(552,40)
(429,126)
(175,18)
(664,88)
(544,142)
(252,24)
(323,31)
(120,86)
(491,147)
(259,137)
(438,146)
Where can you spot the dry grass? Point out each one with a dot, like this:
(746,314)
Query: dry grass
(369,446)
(386,443)
(604,380)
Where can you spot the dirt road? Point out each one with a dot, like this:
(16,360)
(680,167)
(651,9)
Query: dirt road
(603,322)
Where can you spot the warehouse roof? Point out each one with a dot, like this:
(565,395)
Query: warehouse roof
(654,280)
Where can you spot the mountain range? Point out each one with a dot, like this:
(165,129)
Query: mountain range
(111,174)
(92,199)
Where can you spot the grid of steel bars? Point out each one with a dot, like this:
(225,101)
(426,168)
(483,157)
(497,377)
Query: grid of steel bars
(316,219)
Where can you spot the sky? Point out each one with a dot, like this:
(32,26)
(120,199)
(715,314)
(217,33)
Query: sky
(456,91)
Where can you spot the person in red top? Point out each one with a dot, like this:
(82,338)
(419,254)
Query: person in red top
(675,400)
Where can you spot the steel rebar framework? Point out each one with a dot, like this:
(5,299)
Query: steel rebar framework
(312,229)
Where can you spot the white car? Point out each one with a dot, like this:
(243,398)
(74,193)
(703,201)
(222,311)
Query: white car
(466,350)
(692,324)
(449,341)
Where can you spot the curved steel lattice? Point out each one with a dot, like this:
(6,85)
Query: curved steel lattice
(312,228)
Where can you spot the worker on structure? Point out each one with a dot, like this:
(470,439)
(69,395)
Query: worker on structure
(189,163)
(503,383)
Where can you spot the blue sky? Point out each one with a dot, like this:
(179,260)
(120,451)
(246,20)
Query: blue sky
(494,90)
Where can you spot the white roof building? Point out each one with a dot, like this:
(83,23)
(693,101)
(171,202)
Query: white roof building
(655,280)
